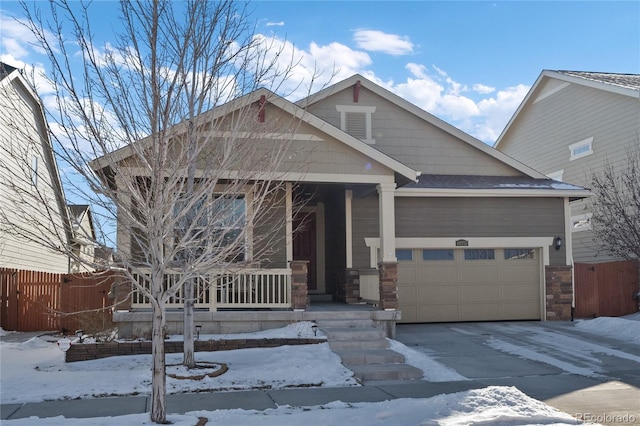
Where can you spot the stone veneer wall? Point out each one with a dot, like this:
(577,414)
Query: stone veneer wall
(87,351)
(388,285)
(348,289)
(299,284)
(559,292)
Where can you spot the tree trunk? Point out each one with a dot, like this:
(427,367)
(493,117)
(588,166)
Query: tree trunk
(159,378)
(189,359)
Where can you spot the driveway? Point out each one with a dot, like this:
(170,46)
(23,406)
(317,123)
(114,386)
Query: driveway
(593,378)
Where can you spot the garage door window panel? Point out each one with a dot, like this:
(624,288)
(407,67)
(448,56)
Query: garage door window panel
(404,255)
(430,255)
(479,254)
(519,253)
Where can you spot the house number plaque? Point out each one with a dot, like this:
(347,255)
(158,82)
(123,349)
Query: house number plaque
(462,243)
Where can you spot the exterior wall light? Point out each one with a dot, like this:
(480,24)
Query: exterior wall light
(557,242)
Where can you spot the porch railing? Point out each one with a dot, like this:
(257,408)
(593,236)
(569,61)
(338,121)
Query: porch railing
(250,289)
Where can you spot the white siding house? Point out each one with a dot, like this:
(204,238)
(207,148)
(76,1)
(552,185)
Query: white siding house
(29,176)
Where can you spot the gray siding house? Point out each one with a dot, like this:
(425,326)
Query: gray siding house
(29,176)
(412,215)
(568,127)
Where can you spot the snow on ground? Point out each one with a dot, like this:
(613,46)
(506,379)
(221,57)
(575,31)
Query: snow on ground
(624,328)
(492,405)
(35,370)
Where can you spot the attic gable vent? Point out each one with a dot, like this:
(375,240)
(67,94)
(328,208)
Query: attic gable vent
(356,124)
(356,121)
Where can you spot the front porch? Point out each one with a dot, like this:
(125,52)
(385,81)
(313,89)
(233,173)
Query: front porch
(132,324)
(249,301)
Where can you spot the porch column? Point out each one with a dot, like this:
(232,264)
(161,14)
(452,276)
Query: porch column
(123,230)
(387,221)
(289,221)
(388,266)
(348,196)
(299,284)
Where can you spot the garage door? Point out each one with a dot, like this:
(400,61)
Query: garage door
(449,285)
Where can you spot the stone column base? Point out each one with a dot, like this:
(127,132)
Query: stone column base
(388,272)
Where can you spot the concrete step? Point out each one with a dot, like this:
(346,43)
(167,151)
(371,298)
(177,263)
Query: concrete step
(320,298)
(345,345)
(345,323)
(353,333)
(386,372)
(370,356)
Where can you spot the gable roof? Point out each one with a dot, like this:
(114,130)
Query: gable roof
(10,75)
(622,84)
(78,213)
(422,114)
(297,112)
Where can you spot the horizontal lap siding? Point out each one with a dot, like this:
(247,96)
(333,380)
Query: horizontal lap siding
(412,141)
(461,217)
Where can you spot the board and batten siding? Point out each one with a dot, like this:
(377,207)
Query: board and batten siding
(411,140)
(461,218)
(541,135)
(20,144)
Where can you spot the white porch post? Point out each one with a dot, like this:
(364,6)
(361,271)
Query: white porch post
(123,230)
(289,222)
(348,196)
(387,222)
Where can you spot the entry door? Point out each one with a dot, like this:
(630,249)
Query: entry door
(304,244)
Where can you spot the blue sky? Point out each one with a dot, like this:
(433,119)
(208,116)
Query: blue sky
(469,63)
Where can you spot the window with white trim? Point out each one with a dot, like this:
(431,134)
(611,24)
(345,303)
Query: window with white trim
(581,222)
(218,222)
(581,149)
(356,121)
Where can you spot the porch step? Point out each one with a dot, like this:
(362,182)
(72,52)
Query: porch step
(370,356)
(335,334)
(385,372)
(364,349)
(345,323)
(320,298)
(345,345)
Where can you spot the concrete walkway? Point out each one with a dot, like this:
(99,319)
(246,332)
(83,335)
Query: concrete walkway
(248,400)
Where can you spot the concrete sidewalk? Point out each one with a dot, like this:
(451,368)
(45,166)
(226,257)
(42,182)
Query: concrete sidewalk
(248,400)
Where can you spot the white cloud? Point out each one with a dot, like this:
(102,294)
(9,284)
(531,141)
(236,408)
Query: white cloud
(483,89)
(378,41)
(498,110)
(275,24)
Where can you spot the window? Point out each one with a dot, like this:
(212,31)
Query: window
(34,171)
(581,149)
(479,254)
(404,255)
(215,224)
(356,120)
(445,254)
(519,254)
(581,222)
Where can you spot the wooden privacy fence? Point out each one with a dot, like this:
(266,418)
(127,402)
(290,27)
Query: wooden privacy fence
(606,289)
(42,301)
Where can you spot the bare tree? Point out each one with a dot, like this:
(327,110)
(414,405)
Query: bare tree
(616,207)
(167,131)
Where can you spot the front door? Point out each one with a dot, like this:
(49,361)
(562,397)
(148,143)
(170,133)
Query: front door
(304,244)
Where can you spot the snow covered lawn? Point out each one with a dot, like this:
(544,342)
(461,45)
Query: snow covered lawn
(35,371)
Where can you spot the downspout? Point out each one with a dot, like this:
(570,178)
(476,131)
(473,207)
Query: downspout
(569,252)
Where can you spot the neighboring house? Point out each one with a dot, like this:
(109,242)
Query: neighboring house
(569,126)
(84,237)
(413,214)
(28,168)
